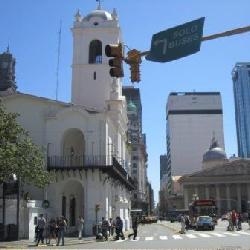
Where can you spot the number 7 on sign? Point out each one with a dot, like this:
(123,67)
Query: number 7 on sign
(164,41)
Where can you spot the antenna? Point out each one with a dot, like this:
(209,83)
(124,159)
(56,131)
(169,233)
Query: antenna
(58,58)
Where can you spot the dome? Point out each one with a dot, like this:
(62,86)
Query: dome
(99,14)
(216,153)
(131,106)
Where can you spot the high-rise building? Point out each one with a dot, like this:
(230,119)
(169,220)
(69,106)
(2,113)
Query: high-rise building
(138,146)
(241,86)
(192,119)
(163,170)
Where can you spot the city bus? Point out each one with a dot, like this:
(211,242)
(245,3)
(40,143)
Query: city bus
(202,208)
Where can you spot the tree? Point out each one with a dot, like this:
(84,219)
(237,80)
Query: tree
(18,154)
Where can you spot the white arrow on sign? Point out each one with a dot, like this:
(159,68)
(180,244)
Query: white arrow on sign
(165,42)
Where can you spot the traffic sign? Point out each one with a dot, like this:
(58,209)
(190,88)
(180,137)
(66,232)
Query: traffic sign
(176,42)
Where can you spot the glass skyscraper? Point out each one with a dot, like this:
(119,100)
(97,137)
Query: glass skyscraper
(241,86)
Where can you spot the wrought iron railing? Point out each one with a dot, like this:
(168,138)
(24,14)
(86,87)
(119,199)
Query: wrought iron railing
(79,161)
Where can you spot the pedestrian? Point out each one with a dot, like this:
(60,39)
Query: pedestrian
(183,225)
(80,223)
(41,222)
(62,224)
(105,228)
(234,218)
(52,230)
(134,226)
(119,228)
(230,222)
(239,221)
(111,226)
(187,222)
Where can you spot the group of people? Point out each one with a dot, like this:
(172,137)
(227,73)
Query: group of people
(110,226)
(185,223)
(55,229)
(234,220)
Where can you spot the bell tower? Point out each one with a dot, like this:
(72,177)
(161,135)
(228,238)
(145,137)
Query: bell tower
(91,82)
(7,71)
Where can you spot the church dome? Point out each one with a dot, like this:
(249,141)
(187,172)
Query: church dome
(214,152)
(99,14)
(131,107)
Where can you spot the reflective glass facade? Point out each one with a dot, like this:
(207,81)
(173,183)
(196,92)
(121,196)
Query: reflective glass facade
(241,86)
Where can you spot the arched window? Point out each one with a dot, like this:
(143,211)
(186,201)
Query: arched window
(95,52)
(72,211)
(64,206)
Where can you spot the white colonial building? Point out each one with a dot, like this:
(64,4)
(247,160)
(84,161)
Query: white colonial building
(85,141)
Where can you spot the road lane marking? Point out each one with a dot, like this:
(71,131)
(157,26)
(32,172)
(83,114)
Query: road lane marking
(218,235)
(232,234)
(240,232)
(149,238)
(164,237)
(191,236)
(137,238)
(204,235)
(177,237)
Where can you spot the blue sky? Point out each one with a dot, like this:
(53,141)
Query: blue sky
(31,29)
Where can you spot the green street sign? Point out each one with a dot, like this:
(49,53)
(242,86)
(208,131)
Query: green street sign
(176,42)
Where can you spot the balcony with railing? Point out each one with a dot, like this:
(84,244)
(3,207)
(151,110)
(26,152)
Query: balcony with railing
(106,163)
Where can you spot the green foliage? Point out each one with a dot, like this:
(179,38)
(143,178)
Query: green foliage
(18,154)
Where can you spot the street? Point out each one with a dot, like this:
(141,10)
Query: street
(161,235)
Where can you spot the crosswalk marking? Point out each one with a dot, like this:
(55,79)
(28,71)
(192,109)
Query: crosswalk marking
(137,238)
(204,235)
(191,236)
(240,232)
(119,240)
(149,238)
(164,237)
(233,234)
(218,235)
(177,237)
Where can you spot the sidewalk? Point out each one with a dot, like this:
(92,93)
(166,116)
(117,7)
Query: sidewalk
(68,241)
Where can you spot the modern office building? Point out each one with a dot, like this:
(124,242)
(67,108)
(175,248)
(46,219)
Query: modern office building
(138,147)
(193,118)
(163,170)
(241,86)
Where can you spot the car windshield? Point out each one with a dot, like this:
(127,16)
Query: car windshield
(205,219)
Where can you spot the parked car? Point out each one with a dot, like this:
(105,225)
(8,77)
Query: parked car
(205,223)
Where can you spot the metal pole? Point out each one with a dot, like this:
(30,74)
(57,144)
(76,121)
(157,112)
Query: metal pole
(18,206)
(4,210)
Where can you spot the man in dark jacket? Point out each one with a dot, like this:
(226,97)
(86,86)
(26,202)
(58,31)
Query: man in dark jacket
(118,228)
(134,226)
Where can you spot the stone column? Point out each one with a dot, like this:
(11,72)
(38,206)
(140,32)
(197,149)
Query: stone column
(248,192)
(207,192)
(196,190)
(218,201)
(185,193)
(238,198)
(228,197)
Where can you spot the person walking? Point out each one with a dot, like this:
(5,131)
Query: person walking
(134,226)
(52,230)
(62,224)
(80,223)
(119,228)
(234,218)
(239,221)
(183,224)
(41,223)
(105,227)
(111,226)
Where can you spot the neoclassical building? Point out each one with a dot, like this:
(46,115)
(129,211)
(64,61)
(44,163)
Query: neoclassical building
(227,181)
(84,141)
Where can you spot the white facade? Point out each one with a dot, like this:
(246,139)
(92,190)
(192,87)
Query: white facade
(84,141)
(192,119)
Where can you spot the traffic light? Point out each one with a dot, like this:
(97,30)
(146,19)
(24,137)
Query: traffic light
(134,60)
(115,51)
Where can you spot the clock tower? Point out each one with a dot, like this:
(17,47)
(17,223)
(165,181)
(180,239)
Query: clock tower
(91,82)
(7,71)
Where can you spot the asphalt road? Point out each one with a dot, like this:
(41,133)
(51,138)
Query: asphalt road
(165,236)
